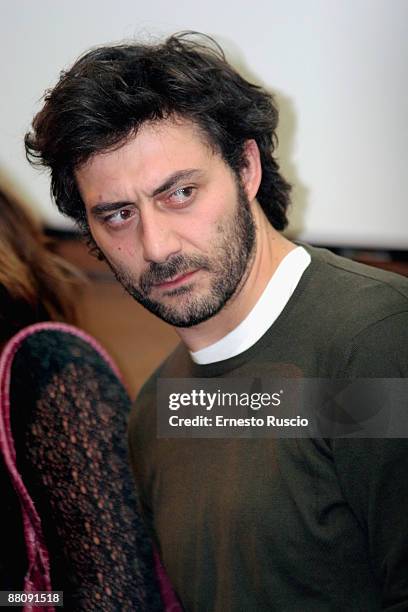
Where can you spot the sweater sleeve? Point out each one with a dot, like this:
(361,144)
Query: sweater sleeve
(373,472)
(373,478)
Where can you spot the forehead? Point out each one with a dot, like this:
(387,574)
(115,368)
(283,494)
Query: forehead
(154,152)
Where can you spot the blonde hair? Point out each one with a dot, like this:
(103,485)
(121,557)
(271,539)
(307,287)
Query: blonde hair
(36,284)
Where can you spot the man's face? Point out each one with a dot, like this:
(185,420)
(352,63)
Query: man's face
(171,219)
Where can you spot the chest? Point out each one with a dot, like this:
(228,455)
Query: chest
(263,494)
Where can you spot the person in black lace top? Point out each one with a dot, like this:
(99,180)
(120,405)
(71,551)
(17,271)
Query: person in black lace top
(69,418)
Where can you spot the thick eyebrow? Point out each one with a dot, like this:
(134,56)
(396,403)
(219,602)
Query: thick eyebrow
(173,179)
(167,184)
(104,207)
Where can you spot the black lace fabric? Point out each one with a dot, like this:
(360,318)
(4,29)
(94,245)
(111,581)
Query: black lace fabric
(69,416)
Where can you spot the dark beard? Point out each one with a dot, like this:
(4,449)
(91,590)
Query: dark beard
(232,257)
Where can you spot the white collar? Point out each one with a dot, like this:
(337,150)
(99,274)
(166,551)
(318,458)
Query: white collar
(265,312)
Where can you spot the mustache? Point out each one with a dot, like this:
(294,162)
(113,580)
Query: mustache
(162,272)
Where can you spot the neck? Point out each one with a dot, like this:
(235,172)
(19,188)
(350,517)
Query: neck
(271,247)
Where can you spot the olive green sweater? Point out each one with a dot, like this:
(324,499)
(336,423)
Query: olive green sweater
(292,525)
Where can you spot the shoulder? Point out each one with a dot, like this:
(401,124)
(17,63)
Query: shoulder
(372,286)
(175,365)
(355,293)
(380,349)
(361,313)
(143,412)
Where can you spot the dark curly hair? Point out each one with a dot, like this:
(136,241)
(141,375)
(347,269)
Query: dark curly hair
(112,90)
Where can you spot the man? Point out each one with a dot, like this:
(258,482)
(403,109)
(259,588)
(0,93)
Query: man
(163,154)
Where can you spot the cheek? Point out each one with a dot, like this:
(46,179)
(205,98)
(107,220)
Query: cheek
(126,256)
(208,235)
(112,246)
(199,233)
(200,241)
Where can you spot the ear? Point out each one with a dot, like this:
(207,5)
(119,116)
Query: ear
(251,173)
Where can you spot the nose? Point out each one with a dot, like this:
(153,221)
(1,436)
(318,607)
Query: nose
(159,240)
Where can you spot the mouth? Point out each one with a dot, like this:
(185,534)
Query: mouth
(176,281)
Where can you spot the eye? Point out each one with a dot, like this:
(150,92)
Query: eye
(182,195)
(119,218)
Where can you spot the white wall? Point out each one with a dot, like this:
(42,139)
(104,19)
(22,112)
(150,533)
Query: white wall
(339,68)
